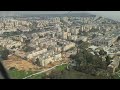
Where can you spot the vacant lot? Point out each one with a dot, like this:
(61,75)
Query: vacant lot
(15,62)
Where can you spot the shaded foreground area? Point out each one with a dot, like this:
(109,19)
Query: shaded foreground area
(60,72)
(73,75)
(15,74)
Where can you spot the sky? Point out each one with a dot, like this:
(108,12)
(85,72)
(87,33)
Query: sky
(110,14)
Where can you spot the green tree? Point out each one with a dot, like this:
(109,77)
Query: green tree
(93,36)
(28,48)
(102,52)
(89,63)
(13,47)
(83,45)
(97,62)
(4,54)
(108,60)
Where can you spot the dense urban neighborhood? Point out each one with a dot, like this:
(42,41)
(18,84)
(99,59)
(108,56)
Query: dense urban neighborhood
(39,43)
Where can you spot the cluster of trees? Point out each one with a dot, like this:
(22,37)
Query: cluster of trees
(82,45)
(93,36)
(12,33)
(84,33)
(4,53)
(88,63)
(94,30)
(28,48)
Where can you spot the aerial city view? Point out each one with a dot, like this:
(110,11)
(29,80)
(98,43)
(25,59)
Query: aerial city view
(60,44)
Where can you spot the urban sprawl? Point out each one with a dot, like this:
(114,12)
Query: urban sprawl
(43,41)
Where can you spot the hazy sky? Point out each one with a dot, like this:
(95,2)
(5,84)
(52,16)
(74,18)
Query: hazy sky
(110,14)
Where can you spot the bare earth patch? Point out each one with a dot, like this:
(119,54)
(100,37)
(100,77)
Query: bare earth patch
(19,64)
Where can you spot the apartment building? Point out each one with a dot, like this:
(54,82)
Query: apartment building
(68,46)
(35,53)
(48,57)
(99,41)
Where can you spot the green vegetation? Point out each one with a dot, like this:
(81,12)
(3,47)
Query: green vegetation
(92,64)
(1,48)
(102,52)
(82,45)
(39,76)
(7,34)
(4,53)
(28,48)
(71,74)
(117,74)
(88,66)
(43,75)
(61,68)
(15,74)
(94,30)
(84,33)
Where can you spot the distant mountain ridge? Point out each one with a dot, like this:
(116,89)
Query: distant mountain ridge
(52,15)
(80,14)
(62,15)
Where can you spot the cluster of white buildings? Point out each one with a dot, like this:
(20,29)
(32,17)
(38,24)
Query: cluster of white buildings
(54,36)
(103,41)
(49,50)
(9,43)
(12,25)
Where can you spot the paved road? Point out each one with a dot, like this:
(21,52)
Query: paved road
(43,71)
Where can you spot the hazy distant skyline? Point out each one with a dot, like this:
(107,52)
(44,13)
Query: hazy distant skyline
(110,14)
